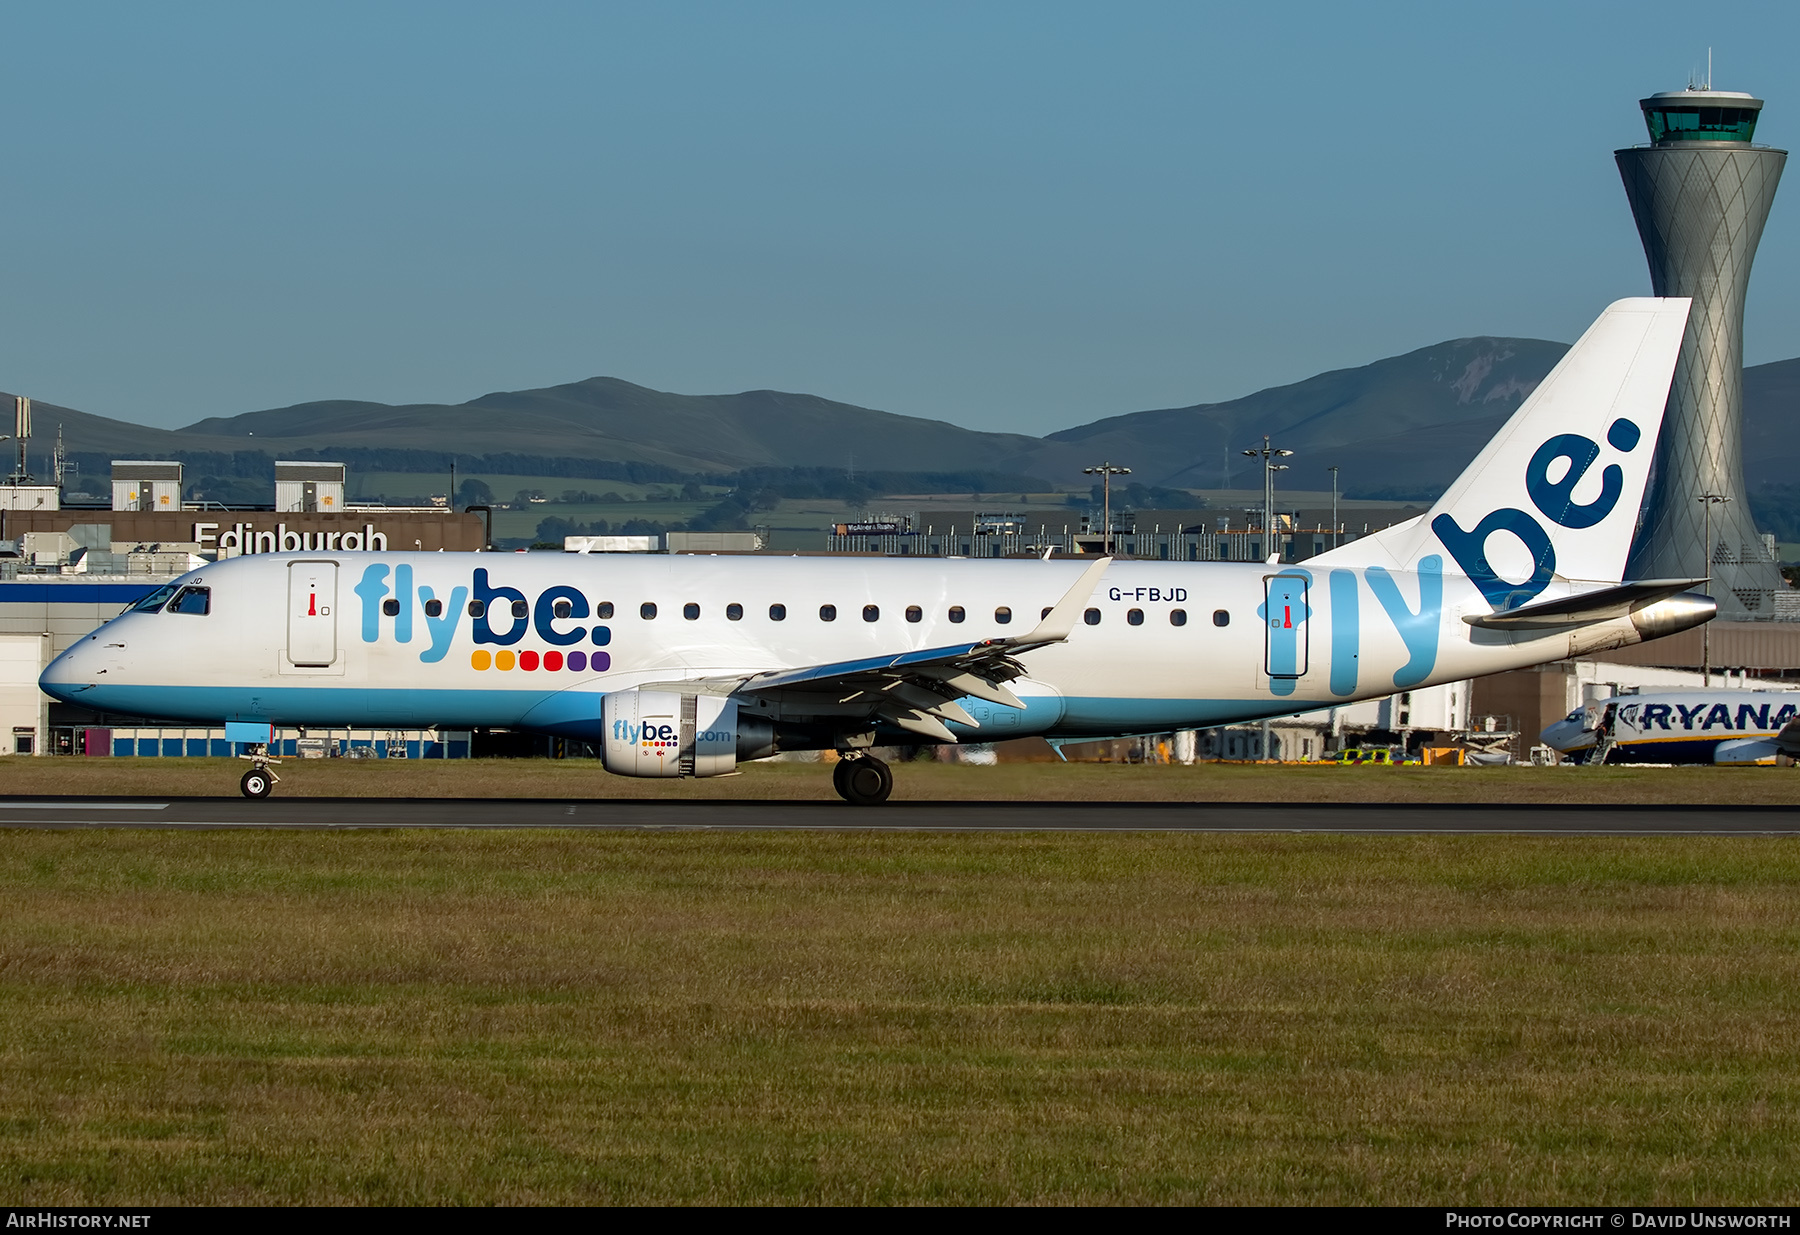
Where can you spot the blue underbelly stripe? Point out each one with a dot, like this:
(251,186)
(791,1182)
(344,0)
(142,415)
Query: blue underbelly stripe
(573,713)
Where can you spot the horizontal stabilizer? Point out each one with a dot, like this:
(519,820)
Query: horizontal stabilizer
(1586,608)
(1788,740)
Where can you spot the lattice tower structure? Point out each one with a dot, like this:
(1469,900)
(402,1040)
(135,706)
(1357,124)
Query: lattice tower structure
(1700,193)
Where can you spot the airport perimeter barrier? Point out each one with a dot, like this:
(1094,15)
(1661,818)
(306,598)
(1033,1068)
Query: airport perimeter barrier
(170,743)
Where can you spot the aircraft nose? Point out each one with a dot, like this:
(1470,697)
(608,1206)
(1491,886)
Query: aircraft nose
(72,673)
(1564,735)
(60,675)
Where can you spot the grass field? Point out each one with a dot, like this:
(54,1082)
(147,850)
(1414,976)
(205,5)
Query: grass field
(246,1017)
(923,781)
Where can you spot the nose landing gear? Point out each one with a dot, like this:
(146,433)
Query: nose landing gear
(862,780)
(259,780)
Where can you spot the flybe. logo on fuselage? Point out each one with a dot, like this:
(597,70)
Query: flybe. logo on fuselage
(1554,499)
(498,616)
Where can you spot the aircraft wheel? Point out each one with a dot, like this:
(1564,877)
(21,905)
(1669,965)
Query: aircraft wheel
(256,783)
(863,781)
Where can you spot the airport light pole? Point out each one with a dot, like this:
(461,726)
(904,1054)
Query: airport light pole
(1269,454)
(1106,471)
(1334,492)
(1708,500)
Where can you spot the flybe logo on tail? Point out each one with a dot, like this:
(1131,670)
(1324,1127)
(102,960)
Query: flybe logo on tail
(1550,479)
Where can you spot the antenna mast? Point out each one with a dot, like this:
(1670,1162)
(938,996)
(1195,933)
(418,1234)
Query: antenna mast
(21,434)
(59,460)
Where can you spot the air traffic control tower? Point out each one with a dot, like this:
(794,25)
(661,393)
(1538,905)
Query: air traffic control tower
(1700,193)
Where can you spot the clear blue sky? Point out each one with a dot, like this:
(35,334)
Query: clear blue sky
(1011,216)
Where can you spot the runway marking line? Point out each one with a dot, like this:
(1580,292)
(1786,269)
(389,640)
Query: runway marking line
(84,806)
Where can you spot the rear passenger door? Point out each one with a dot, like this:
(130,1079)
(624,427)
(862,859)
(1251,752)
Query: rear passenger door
(1285,626)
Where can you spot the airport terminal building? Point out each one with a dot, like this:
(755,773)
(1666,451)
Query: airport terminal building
(65,570)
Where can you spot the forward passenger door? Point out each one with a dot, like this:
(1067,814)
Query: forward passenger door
(312,614)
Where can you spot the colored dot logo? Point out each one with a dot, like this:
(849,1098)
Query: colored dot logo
(550,662)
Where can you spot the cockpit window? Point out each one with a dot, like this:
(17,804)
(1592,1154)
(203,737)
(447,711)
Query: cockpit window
(1575,715)
(154,602)
(193,600)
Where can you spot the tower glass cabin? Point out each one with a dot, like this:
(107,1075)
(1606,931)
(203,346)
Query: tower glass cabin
(1701,116)
(1700,193)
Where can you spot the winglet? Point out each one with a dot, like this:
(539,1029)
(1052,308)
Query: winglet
(1060,621)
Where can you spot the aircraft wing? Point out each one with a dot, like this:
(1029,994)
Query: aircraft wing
(915,691)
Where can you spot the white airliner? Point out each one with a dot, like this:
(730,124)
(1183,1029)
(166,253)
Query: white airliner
(686,665)
(1682,726)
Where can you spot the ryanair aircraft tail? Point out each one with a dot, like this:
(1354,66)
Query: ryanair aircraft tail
(1555,495)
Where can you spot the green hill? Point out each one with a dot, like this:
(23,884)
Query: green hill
(605,418)
(1403,425)
(1411,421)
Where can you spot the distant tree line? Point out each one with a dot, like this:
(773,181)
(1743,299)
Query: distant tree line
(1396,493)
(1136,496)
(218,469)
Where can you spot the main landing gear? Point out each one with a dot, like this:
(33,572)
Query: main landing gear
(259,780)
(862,780)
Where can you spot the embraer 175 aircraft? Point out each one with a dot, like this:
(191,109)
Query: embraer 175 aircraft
(685,665)
(1683,726)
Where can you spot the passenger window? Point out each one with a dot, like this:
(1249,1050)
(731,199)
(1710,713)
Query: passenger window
(520,610)
(647,610)
(956,613)
(1178,617)
(605,610)
(778,613)
(1003,615)
(828,613)
(196,601)
(390,607)
(477,608)
(734,613)
(914,613)
(871,613)
(1221,618)
(562,609)
(1135,616)
(434,608)
(1091,617)
(154,602)
(690,611)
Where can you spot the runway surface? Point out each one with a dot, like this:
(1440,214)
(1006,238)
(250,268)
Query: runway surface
(765,816)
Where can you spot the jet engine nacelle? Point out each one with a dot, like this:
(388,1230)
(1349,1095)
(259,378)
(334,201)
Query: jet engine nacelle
(1746,750)
(661,733)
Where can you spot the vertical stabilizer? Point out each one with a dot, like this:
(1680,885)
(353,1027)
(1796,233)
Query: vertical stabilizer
(1556,493)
